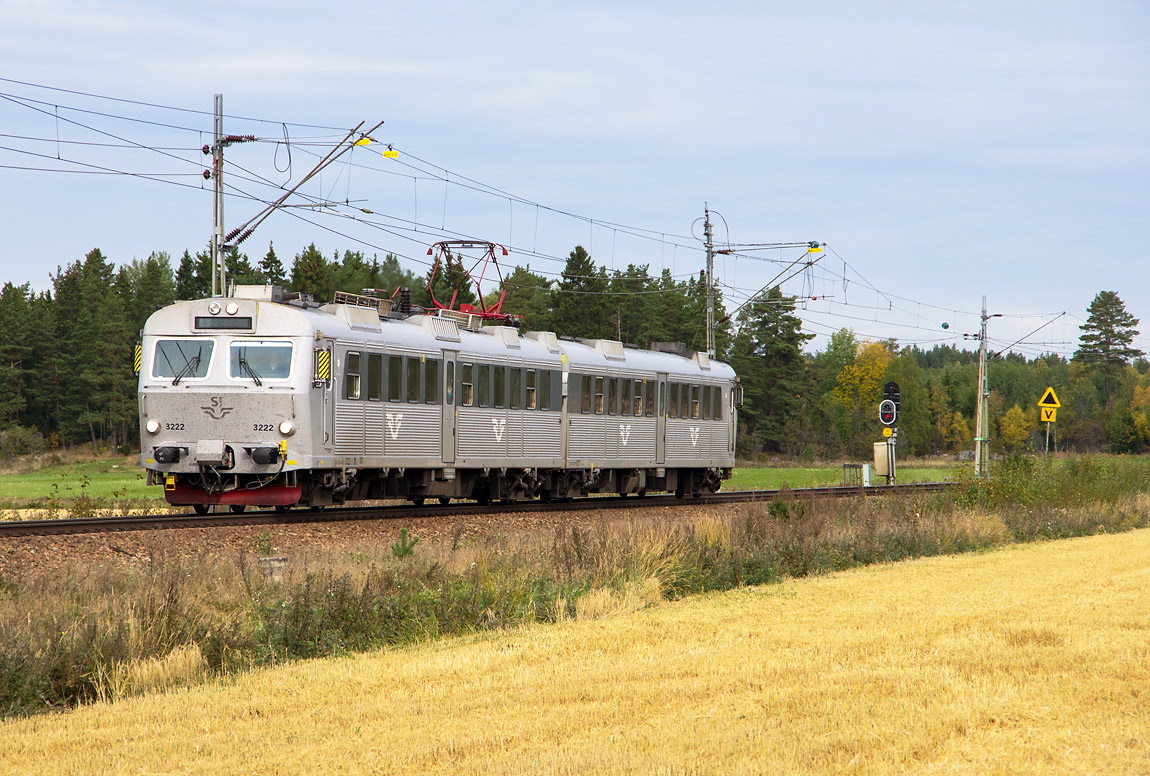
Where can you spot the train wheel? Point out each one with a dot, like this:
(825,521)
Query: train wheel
(417,500)
(642,493)
(200,509)
(237,508)
(282,508)
(445,500)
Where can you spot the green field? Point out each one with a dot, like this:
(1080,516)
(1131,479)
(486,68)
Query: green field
(770,478)
(113,481)
(103,481)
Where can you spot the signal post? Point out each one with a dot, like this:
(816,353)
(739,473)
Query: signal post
(884,457)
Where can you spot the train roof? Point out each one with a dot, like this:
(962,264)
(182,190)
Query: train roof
(355,317)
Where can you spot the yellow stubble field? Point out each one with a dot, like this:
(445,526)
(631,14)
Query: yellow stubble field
(1032,659)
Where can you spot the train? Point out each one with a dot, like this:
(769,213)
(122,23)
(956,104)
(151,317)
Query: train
(267,399)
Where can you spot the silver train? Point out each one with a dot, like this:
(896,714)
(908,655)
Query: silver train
(251,400)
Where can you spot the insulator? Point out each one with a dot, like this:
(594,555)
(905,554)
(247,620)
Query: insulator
(207,149)
(232,234)
(207,175)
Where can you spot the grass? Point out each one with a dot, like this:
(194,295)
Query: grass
(772,477)
(99,482)
(1031,659)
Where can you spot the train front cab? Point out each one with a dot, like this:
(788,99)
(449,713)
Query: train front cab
(220,399)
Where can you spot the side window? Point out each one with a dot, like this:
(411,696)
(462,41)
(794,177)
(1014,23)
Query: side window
(484,385)
(695,402)
(351,376)
(662,399)
(395,378)
(431,381)
(530,379)
(684,400)
(468,377)
(374,376)
(598,395)
(450,380)
(649,409)
(556,390)
(638,402)
(587,396)
(717,412)
(706,402)
(673,400)
(413,378)
(514,381)
(499,391)
(622,388)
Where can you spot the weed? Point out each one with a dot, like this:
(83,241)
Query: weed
(264,546)
(403,548)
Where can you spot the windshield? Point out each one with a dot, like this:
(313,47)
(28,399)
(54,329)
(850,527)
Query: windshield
(180,359)
(260,361)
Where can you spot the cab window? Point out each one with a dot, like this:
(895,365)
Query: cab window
(186,359)
(254,360)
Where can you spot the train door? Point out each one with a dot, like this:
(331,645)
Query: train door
(661,421)
(322,380)
(448,394)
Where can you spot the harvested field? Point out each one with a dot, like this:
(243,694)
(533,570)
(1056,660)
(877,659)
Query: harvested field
(1034,658)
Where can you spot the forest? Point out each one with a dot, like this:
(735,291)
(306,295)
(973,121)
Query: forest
(66,356)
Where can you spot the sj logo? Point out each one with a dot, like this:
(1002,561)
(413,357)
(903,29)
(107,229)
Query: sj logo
(216,410)
(695,436)
(624,433)
(394,421)
(499,425)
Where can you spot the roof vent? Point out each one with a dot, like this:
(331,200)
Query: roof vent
(508,335)
(612,350)
(677,348)
(545,338)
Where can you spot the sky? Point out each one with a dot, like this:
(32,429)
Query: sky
(942,151)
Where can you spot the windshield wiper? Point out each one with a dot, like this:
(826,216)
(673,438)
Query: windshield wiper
(189,369)
(246,368)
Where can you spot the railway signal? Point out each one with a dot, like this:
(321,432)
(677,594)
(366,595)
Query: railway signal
(887,412)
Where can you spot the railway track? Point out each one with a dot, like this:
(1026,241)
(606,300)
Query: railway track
(407,511)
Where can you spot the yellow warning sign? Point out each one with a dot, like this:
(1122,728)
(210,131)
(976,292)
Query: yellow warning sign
(1048,414)
(888,431)
(1049,399)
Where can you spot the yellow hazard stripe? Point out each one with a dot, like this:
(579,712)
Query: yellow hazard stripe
(323,365)
(138,358)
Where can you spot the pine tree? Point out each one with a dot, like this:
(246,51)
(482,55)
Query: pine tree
(239,269)
(579,300)
(529,296)
(15,320)
(98,388)
(42,384)
(311,273)
(194,276)
(145,286)
(767,356)
(1106,337)
(271,268)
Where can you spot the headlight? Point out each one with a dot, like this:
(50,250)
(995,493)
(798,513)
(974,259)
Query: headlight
(287,428)
(232,308)
(153,426)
